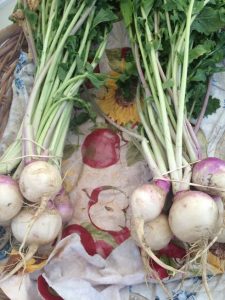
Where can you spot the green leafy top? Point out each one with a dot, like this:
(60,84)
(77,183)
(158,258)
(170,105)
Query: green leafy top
(207,40)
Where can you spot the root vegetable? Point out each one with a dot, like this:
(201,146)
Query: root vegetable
(11,199)
(147,201)
(158,233)
(39,180)
(43,231)
(193,216)
(64,206)
(210,173)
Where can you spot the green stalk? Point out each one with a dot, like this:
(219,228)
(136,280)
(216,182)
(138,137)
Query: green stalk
(86,32)
(12,157)
(178,48)
(150,159)
(84,40)
(44,96)
(59,30)
(152,140)
(68,83)
(46,117)
(62,136)
(47,36)
(180,117)
(168,24)
(50,127)
(46,122)
(143,55)
(60,131)
(55,62)
(54,86)
(168,141)
(153,123)
(43,17)
(148,94)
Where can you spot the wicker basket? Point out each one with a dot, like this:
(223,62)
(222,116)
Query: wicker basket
(12,41)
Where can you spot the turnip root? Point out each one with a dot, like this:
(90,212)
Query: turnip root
(140,234)
(147,201)
(64,206)
(157,233)
(11,199)
(220,232)
(44,230)
(193,216)
(39,180)
(209,175)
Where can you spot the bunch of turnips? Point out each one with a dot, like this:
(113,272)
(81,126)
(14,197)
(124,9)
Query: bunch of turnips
(176,49)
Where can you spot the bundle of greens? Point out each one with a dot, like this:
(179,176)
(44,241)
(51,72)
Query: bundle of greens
(177,46)
(66,40)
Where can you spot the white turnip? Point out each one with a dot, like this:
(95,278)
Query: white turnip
(147,201)
(11,199)
(157,233)
(64,206)
(209,175)
(44,230)
(193,216)
(40,180)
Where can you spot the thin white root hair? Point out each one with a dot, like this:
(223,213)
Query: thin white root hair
(205,250)
(31,251)
(204,275)
(39,211)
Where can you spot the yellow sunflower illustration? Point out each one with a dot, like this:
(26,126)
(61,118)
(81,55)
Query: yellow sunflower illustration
(117,99)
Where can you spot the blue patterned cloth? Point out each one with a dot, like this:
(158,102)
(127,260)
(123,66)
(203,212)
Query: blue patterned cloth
(20,64)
